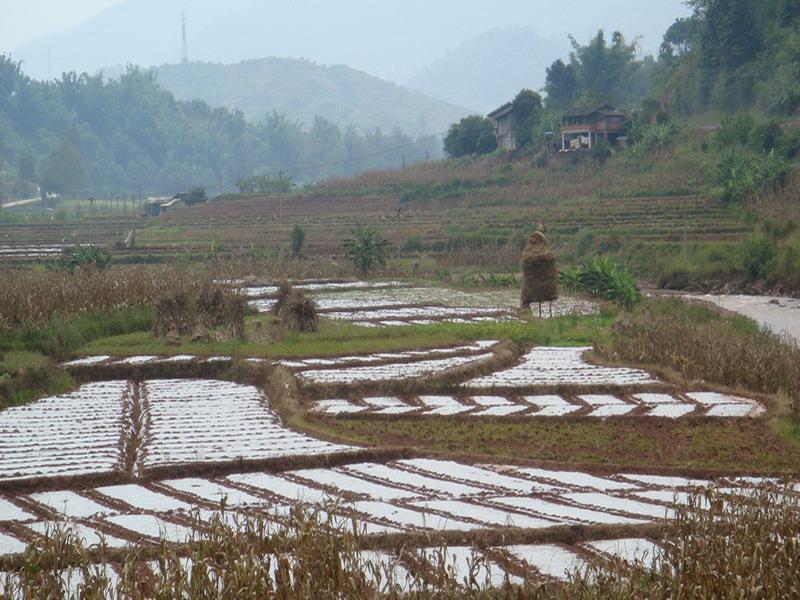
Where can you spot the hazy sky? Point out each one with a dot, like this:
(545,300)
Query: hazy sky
(393,39)
(26,20)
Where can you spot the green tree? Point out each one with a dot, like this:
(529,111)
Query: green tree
(298,238)
(561,84)
(26,175)
(127,134)
(679,38)
(366,249)
(730,55)
(65,172)
(528,112)
(599,72)
(471,135)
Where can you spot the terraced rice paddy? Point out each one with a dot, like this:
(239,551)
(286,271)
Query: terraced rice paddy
(668,406)
(391,303)
(406,496)
(73,434)
(544,366)
(215,421)
(392,366)
(126,427)
(13,252)
(138,360)
(511,394)
(151,432)
(390,372)
(482,348)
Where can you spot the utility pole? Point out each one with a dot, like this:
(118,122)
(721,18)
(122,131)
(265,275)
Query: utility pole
(184,47)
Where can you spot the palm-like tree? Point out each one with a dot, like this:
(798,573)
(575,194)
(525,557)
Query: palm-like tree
(366,249)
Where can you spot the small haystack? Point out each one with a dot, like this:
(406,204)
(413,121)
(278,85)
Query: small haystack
(539,272)
(207,308)
(295,310)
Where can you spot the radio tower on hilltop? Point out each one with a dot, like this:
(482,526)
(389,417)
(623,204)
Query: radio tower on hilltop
(184,48)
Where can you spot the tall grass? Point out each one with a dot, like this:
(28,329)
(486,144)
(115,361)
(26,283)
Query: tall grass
(61,335)
(704,345)
(718,546)
(315,555)
(34,297)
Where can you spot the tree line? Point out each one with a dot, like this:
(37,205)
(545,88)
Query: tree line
(83,134)
(729,55)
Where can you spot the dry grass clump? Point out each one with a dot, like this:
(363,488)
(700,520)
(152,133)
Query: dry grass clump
(539,271)
(702,344)
(202,309)
(285,290)
(741,546)
(295,310)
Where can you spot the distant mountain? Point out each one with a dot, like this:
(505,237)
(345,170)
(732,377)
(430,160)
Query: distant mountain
(488,70)
(393,40)
(303,90)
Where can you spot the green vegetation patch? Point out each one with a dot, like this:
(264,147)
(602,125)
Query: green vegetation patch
(333,338)
(25,376)
(61,336)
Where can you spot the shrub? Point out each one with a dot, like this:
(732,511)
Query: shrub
(735,131)
(602,277)
(655,137)
(264,184)
(298,238)
(413,244)
(743,177)
(757,255)
(471,135)
(366,249)
(765,137)
(675,278)
(790,144)
(83,256)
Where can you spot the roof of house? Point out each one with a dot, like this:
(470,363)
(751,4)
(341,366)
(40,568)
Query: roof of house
(158,200)
(585,111)
(497,113)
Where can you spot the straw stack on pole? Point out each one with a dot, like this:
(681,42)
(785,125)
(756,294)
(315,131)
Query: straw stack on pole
(539,272)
